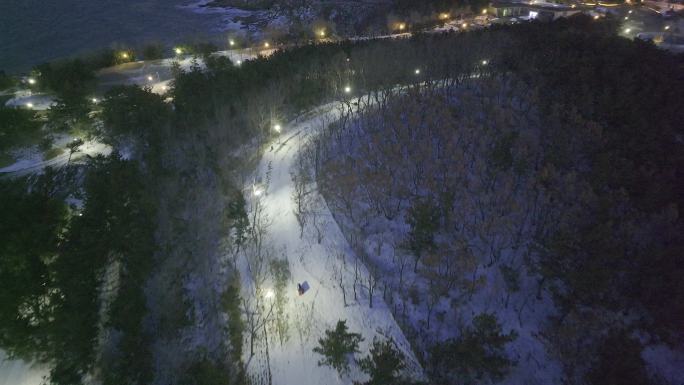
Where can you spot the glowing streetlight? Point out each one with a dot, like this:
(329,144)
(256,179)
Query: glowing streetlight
(149,78)
(256,191)
(347,90)
(31,81)
(628,30)
(238,62)
(231,42)
(124,55)
(596,17)
(667,27)
(94,100)
(178,50)
(484,11)
(485,62)
(269,294)
(443,16)
(626,18)
(266,45)
(321,33)
(402,26)
(29,105)
(277,128)
(164,87)
(417,71)
(630,12)
(464,25)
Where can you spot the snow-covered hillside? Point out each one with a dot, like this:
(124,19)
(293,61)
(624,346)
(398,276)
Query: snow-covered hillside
(293,361)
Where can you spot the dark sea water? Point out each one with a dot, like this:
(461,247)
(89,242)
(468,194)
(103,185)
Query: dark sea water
(34,31)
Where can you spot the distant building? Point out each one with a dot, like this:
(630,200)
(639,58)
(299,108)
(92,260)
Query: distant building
(540,10)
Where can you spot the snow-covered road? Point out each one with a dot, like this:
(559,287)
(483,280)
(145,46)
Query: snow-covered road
(322,306)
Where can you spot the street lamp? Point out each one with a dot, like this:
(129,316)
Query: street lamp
(178,50)
(485,62)
(277,128)
(417,71)
(402,26)
(31,81)
(231,42)
(347,90)
(124,55)
(321,33)
(238,62)
(596,17)
(628,30)
(29,105)
(484,11)
(667,27)
(266,45)
(464,25)
(94,100)
(149,78)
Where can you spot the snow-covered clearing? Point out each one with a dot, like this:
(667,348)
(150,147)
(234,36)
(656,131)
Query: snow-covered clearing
(18,372)
(31,160)
(293,361)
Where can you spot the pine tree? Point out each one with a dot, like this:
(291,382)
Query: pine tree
(337,345)
(476,355)
(384,363)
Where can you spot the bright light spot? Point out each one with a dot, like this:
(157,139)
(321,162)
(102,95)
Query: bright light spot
(630,12)
(231,42)
(573,6)
(626,18)
(417,71)
(596,17)
(164,87)
(238,62)
(277,127)
(94,100)
(667,27)
(484,11)
(80,214)
(269,294)
(31,81)
(149,77)
(464,25)
(257,191)
(402,26)
(347,89)
(443,16)
(124,55)
(321,33)
(485,62)
(628,30)
(533,14)
(178,50)
(29,105)
(266,45)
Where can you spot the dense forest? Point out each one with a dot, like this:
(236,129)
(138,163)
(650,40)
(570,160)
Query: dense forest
(543,158)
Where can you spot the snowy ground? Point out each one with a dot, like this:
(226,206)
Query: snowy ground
(31,159)
(17,372)
(322,306)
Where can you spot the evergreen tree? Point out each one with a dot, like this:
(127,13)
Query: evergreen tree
(476,355)
(384,363)
(423,217)
(337,345)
